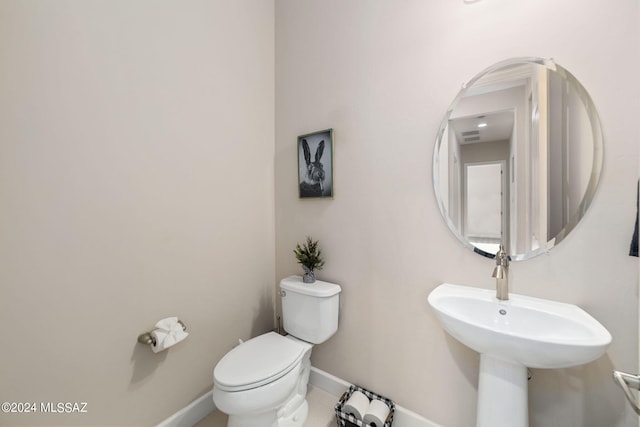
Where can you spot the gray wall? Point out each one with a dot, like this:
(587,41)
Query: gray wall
(382,75)
(136,183)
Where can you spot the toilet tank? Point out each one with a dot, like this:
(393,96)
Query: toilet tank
(309,310)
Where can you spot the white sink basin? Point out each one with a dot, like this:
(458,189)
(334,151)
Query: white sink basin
(511,336)
(530,331)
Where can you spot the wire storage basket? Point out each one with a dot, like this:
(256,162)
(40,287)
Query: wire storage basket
(348,420)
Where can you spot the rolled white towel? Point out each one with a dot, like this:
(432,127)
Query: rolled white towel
(168,332)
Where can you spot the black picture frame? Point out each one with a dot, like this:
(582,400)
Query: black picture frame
(315,164)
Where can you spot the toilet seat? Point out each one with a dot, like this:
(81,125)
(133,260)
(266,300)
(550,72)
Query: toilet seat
(258,361)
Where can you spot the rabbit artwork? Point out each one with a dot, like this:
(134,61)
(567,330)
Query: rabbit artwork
(312,173)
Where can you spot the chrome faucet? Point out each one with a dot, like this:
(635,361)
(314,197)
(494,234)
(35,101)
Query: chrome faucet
(501,273)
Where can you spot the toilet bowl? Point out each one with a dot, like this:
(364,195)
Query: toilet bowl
(263,381)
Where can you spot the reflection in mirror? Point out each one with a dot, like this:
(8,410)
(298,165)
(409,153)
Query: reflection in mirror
(517,158)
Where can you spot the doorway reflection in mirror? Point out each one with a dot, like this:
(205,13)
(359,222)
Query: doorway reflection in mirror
(518,158)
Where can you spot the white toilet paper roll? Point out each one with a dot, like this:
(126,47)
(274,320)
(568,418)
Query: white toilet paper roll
(168,333)
(357,405)
(376,414)
(163,340)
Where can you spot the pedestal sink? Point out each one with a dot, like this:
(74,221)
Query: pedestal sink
(512,335)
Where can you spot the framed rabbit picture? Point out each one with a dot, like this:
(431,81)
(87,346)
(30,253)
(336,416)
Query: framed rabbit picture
(315,164)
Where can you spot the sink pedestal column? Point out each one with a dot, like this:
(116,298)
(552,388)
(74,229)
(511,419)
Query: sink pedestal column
(502,394)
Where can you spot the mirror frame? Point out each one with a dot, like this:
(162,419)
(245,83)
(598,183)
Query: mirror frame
(596,169)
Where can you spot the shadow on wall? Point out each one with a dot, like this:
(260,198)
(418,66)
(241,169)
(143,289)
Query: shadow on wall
(633,249)
(602,402)
(263,313)
(145,362)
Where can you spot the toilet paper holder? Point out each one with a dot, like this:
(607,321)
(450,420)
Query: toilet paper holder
(149,339)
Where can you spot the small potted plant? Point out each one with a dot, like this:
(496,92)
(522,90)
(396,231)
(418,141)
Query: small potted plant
(310,256)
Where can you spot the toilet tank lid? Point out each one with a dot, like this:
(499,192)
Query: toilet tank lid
(316,289)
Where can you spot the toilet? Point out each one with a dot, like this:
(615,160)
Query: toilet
(263,381)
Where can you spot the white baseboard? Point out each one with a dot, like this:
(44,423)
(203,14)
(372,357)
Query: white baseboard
(192,413)
(203,406)
(336,386)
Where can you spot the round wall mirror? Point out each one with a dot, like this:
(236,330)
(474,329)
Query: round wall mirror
(517,158)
